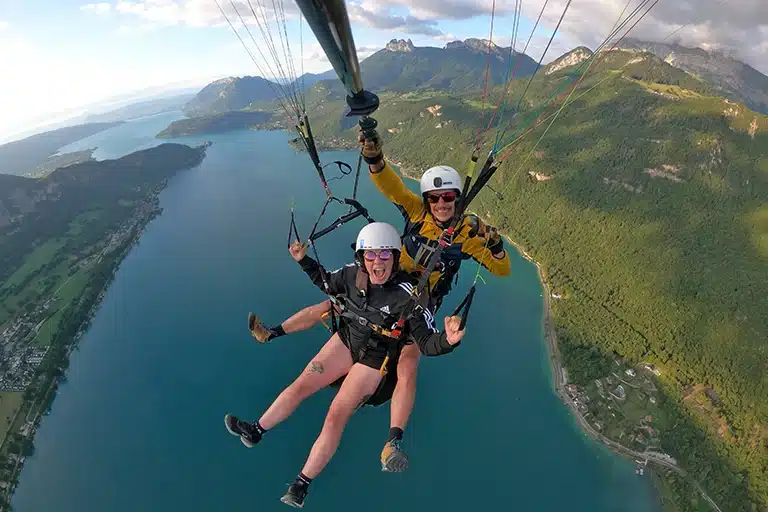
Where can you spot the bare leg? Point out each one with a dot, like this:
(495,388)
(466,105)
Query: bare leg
(329,364)
(361,382)
(404,395)
(393,457)
(299,321)
(306,318)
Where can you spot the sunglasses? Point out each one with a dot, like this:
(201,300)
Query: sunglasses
(448,197)
(384,255)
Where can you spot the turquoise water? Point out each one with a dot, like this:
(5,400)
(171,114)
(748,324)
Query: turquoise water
(138,424)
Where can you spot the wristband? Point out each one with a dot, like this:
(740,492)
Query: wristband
(375,159)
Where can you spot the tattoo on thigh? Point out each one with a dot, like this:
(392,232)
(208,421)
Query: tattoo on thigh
(317,367)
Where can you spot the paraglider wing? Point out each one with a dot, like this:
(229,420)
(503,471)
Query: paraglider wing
(330,23)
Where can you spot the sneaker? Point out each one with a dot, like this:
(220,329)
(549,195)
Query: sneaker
(248,432)
(393,457)
(258,331)
(295,495)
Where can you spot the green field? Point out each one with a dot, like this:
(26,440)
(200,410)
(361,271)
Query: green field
(35,261)
(38,284)
(672,90)
(9,404)
(48,329)
(70,290)
(480,106)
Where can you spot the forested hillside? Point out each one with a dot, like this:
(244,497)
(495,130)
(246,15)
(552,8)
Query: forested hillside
(36,212)
(646,204)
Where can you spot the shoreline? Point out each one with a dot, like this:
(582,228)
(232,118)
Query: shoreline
(560,378)
(42,403)
(115,246)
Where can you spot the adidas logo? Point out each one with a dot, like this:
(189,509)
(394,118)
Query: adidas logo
(385,309)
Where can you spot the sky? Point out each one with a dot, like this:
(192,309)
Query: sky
(58,57)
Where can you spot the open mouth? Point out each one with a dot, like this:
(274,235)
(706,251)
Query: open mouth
(379,272)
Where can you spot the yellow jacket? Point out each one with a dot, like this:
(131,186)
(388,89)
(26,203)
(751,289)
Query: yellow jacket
(422,231)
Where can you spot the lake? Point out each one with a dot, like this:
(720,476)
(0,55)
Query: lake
(138,424)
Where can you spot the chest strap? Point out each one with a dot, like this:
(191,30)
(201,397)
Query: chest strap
(345,312)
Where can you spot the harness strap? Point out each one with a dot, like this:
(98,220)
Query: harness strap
(345,312)
(392,347)
(465,305)
(293,230)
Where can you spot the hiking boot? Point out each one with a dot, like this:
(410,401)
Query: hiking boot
(258,331)
(393,458)
(248,432)
(295,495)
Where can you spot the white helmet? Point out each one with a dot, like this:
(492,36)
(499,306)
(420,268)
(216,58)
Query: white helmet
(378,235)
(440,177)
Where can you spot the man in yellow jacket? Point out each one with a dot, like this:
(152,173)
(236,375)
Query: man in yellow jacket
(427,216)
(425,219)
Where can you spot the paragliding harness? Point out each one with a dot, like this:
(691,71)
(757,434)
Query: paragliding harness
(358,312)
(421,249)
(445,240)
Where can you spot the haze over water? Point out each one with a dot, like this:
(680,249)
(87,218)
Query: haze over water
(138,425)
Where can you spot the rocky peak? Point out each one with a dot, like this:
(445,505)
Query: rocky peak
(573,57)
(474,44)
(400,45)
(224,81)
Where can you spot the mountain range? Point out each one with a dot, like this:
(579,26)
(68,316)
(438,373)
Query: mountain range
(460,65)
(399,66)
(731,77)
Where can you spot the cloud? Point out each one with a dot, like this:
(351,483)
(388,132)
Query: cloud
(315,59)
(99,8)
(365,51)
(445,38)
(739,27)
(381,18)
(3,25)
(199,13)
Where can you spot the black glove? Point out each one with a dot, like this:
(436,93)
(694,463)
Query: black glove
(495,242)
(371,147)
(474,225)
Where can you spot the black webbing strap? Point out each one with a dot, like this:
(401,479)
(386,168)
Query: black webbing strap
(465,305)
